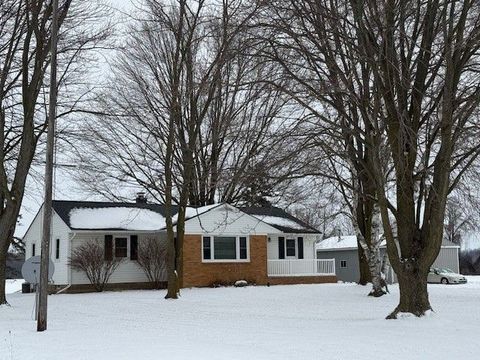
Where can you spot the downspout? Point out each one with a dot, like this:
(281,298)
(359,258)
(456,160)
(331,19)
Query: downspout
(69,249)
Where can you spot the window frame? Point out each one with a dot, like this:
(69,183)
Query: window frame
(295,248)
(127,248)
(343,262)
(237,249)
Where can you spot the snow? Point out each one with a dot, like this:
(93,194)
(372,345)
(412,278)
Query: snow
(192,212)
(325,321)
(116,218)
(125,218)
(340,242)
(280,221)
(13,286)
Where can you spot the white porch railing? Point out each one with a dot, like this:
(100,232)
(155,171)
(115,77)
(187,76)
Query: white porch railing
(306,267)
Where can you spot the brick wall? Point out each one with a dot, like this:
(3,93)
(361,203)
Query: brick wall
(198,273)
(291,280)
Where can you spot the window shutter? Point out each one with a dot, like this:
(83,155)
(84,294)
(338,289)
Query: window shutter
(133,247)
(108,247)
(207,248)
(300,247)
(281,247)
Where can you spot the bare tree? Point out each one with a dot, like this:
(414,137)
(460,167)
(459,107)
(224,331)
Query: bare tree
(90,259)
(152,256)
(309,62)
(24,58)
(184,116)
(402,79)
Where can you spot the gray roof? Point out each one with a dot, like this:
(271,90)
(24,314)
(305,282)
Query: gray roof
(267,213)
(287,224)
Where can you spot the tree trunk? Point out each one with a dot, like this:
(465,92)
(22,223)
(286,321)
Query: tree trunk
(7,230)
(365,276)
(413,291)
(375,265)
(172,290)
(3,268)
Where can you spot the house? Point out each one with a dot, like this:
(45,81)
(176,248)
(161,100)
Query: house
(222,243)
(345,252)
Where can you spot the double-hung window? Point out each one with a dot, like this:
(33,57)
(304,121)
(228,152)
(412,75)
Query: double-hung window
(225,248)
(291,247)
(121,247)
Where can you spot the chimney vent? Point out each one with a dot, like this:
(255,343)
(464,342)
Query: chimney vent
(141,198)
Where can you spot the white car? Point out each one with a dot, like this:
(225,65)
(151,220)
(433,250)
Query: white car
(445,276)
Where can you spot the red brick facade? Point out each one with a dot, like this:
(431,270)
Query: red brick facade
(291,280)
(198,274)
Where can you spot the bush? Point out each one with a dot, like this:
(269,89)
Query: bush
(90,259)
(152,258)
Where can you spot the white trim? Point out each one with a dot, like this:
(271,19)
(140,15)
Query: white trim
(237,249)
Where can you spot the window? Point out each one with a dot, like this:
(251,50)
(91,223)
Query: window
(291,245)
(225,248)
(121,247)
(343,263)
(57,249)
(33,249)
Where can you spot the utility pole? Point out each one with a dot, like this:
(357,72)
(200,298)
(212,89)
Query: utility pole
(47,205)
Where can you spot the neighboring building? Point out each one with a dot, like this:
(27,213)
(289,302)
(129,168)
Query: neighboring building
(345,252)
(14,265)
(222,243)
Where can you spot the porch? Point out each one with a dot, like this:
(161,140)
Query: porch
(304,267)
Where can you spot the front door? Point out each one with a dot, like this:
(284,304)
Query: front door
(291,248)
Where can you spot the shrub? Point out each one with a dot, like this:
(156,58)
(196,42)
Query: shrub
(90,259)
(152,258)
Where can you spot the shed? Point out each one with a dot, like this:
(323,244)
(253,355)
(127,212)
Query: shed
(344,250)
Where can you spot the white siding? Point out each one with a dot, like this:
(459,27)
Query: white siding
(308,245)
(227,220)
(128,271)
(61,231)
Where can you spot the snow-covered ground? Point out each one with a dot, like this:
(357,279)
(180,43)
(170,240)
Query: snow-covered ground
(13,286)
(330,321)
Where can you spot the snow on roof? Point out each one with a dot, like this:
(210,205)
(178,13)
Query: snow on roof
(122,218)
(191,212)
(338,242)
(280,221)
(126,218)
(350,242)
